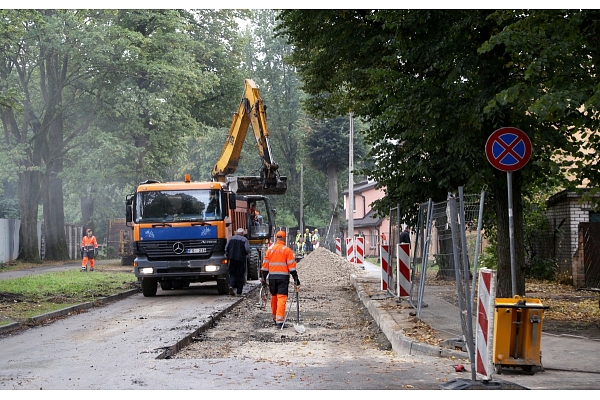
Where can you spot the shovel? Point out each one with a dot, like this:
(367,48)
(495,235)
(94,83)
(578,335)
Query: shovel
(297,326)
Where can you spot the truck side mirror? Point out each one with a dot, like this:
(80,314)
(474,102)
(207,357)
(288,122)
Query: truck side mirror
(129,208)
(232,201)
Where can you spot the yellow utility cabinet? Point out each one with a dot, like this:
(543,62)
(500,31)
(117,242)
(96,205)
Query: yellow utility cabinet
(518,333)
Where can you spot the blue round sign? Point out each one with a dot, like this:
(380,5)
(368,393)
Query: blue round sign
(508,149)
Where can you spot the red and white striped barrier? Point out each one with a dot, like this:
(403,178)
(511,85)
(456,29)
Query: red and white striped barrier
(359,251)
(385,267)
(486,299)
(403,252)
(350,256)
(338,246)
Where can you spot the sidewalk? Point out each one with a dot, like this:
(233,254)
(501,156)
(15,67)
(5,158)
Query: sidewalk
(50,268)
(563,353)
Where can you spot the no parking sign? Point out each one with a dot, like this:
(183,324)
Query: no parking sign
(508,149)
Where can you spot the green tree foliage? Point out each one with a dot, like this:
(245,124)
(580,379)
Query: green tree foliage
(220,54)
(435,84)
(327,147)
(280,89)
(100,99)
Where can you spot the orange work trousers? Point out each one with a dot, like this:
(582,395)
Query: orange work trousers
(85,261)
(279,295)
(278,303)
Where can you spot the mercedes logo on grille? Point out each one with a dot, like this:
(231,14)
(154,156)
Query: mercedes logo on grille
(178,248)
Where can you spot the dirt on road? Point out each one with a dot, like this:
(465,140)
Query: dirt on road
(334,319)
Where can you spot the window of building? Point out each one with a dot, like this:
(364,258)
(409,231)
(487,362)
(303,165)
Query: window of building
(373,238)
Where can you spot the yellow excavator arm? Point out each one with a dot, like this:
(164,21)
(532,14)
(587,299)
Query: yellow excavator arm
(251,111)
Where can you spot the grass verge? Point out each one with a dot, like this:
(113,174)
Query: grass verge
(27,297)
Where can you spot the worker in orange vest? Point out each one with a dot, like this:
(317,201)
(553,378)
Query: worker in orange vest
(89,248)
(279,264)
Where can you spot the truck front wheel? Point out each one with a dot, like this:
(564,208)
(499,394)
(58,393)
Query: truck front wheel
(149,287)
(253,265)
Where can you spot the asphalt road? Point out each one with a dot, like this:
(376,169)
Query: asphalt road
(116,346)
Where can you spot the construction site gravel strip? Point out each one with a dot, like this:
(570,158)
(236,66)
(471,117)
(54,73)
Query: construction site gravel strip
(337,325)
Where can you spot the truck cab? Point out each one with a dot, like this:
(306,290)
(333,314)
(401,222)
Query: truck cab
(179,233)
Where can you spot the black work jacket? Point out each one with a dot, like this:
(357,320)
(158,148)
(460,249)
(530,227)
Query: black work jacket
(237,247)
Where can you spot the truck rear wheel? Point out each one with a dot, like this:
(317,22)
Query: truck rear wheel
(253,265)
(222,285)
(149,287)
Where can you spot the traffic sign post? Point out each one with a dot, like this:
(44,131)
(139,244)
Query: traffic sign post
(509,149)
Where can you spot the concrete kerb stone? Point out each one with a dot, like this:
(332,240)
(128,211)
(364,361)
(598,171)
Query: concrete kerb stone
(400,343)
(189,338)
(67,310)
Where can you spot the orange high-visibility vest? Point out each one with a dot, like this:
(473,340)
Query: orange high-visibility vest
(279,261)
(89,241)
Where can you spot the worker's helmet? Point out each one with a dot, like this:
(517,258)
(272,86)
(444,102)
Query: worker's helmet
(280,235)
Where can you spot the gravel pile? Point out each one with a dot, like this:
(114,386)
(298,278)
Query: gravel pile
(324,268)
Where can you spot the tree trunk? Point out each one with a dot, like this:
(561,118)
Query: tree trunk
(504,288)
(54,221)
(29,195)
(29,181)
(54,218)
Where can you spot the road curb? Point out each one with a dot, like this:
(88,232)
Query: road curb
(401,345)
(189,338)
(66,311)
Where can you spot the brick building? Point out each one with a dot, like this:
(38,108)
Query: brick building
(567,214)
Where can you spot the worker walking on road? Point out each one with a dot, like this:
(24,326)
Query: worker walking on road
(279,264)
(237,249)
(89,248)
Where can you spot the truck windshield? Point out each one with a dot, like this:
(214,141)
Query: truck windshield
(176,205)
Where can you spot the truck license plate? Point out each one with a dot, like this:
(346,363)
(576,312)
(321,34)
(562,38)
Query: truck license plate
(201,250)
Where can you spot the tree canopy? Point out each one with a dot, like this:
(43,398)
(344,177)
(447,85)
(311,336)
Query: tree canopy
(434,85)
(98,100)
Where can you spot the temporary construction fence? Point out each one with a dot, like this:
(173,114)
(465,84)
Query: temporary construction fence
(389,255)
(9,240)
(447,247)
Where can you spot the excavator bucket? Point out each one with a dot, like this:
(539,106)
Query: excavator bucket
(245,185)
